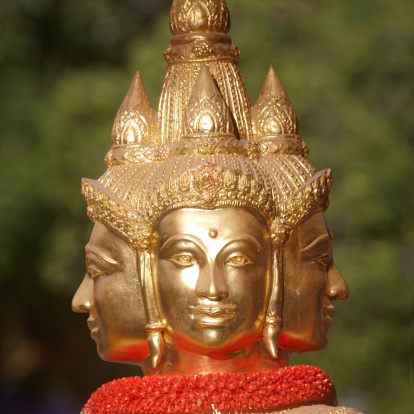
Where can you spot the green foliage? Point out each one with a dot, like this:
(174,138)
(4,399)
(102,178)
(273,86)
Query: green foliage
(347,68)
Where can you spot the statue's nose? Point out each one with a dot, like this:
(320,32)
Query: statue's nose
(210,283)
(81,302)
(337,287)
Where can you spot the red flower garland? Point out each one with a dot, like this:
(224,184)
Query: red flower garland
(296,385)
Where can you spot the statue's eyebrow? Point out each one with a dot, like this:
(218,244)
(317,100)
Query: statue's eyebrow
(182,237)
(100,255)
(246,238)
(322,239)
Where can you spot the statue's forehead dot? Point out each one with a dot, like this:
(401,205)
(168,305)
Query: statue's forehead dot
(213,233)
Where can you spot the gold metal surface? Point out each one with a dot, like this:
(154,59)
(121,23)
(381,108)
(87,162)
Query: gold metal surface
(213,301)
(311,283)
(111,294)
(136,121)
(273,113)
(210,251)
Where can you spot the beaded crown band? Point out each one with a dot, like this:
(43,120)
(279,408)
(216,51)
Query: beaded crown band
(207,187)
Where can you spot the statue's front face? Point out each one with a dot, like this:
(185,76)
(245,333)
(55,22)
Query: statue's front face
(212,276)
(111,294)
(311,283)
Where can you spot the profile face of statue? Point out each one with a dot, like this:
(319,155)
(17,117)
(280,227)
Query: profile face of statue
(311,283)
(111,294)
(212,277)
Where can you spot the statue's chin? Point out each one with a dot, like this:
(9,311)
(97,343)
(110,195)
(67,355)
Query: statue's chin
(297,344)
(216,348)
(130,354)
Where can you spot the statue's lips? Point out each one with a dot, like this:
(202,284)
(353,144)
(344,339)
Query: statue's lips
(329,313)
(213,316)
(93,326)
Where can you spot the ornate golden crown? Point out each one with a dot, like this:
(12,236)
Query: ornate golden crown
(205,147)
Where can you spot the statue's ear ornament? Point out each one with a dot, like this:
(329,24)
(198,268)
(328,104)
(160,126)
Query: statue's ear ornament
(154,326)
(273,319)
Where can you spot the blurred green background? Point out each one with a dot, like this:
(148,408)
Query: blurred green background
(348,69)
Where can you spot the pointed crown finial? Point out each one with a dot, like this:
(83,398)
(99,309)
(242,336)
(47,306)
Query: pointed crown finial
(132,123)
(189,16)
(207,112)
(273,113)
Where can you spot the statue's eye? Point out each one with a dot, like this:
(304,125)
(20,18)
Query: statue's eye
(183,259)
(94,274)
(324,260)
(239,260)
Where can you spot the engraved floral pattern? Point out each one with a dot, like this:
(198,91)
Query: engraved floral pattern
(276,116)
(199,15)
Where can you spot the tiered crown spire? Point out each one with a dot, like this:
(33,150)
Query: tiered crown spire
(200,28)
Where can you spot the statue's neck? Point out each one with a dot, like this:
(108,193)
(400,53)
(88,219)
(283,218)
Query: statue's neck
(183,363)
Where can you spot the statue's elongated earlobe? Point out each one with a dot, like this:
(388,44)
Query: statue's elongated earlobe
(271,338)
(274,312)
(156,345)
(154,326)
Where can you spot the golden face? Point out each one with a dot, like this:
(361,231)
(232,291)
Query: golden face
(311,283)
(111,294)
(212,278)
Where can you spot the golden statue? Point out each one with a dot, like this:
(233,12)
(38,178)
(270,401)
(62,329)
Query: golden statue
(210,261)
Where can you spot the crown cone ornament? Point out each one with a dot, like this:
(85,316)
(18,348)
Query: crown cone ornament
(210,261)
(136,120)
(273,113)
